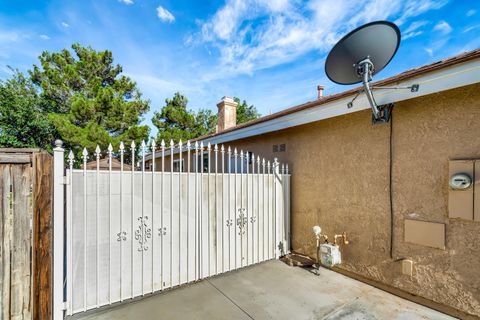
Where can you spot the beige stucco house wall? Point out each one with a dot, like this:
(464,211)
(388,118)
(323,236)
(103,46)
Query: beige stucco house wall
(341,181)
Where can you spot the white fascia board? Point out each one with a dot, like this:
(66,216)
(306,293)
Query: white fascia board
(452,77)
(444,79)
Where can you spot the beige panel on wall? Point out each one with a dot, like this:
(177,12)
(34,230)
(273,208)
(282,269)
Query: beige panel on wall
(460,202)
(430,234)
(476,191)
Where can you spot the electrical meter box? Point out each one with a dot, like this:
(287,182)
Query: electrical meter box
(330,255)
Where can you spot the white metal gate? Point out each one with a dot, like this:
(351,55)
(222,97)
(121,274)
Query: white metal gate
(137,231)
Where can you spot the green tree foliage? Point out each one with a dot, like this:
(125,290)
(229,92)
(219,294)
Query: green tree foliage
(245,112)
(90,101)
(175,121)
(23,121)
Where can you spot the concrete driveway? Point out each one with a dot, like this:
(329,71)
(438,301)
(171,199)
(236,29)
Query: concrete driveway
(271,290)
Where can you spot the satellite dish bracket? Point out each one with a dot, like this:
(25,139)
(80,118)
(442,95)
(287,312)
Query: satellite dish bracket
(380,114)
(365,70)
(385,112)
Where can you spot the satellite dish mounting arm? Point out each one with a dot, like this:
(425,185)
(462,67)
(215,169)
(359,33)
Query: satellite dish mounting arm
(365,70)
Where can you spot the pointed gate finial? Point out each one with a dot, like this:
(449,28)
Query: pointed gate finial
(97,152)
(71,158)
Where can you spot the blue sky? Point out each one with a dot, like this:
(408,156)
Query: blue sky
(269,52)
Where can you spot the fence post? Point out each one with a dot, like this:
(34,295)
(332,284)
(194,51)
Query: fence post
(58,229)
(278,209)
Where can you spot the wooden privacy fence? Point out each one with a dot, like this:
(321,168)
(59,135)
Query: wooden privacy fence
(25,234)
(196,212)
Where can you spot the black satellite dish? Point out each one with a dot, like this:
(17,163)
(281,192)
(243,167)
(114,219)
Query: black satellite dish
(361,54)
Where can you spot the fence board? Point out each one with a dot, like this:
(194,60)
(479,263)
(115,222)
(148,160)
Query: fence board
(42,233)
(6,233)
(20,262)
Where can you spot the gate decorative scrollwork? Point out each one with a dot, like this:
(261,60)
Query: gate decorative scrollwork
(162,231)
(122,236)
(242,220)
(143,233)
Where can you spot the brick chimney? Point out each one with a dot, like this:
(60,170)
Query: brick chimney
(227,114)
(320,91)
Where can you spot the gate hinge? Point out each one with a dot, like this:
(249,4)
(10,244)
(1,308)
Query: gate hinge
(66,181)
(64,305)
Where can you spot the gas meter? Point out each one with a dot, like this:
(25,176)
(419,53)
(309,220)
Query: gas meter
(330,255)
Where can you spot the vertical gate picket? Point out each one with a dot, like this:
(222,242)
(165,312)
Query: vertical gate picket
(152,146)
(179,212)
(132,218)
(258,208)
(236,205)
(229,222)
(85,157)
(170,223)
(216,213)
(269,216)
(70,233)
(162,229)
(121,234)
(110,149)
(265,241)
(209,257)
(97,224)
(197,249)
(143,218)
(247,209)
(188,210)
(222,151)
(253,219)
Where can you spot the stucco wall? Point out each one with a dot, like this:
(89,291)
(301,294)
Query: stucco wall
(340,180)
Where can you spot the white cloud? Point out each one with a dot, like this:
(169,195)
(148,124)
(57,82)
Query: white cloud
(127,2)
(66,25)
(415,25)
(415,8)
(251,35)
(443,27)
(471,12)
(468,29)
(9,36)
(165,15)
(429,51)
(44,37)
(412,31)
(412,34)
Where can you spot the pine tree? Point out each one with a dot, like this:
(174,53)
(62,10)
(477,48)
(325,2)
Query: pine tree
(90,101)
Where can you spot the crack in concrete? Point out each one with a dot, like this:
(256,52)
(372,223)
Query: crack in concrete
(230,299)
